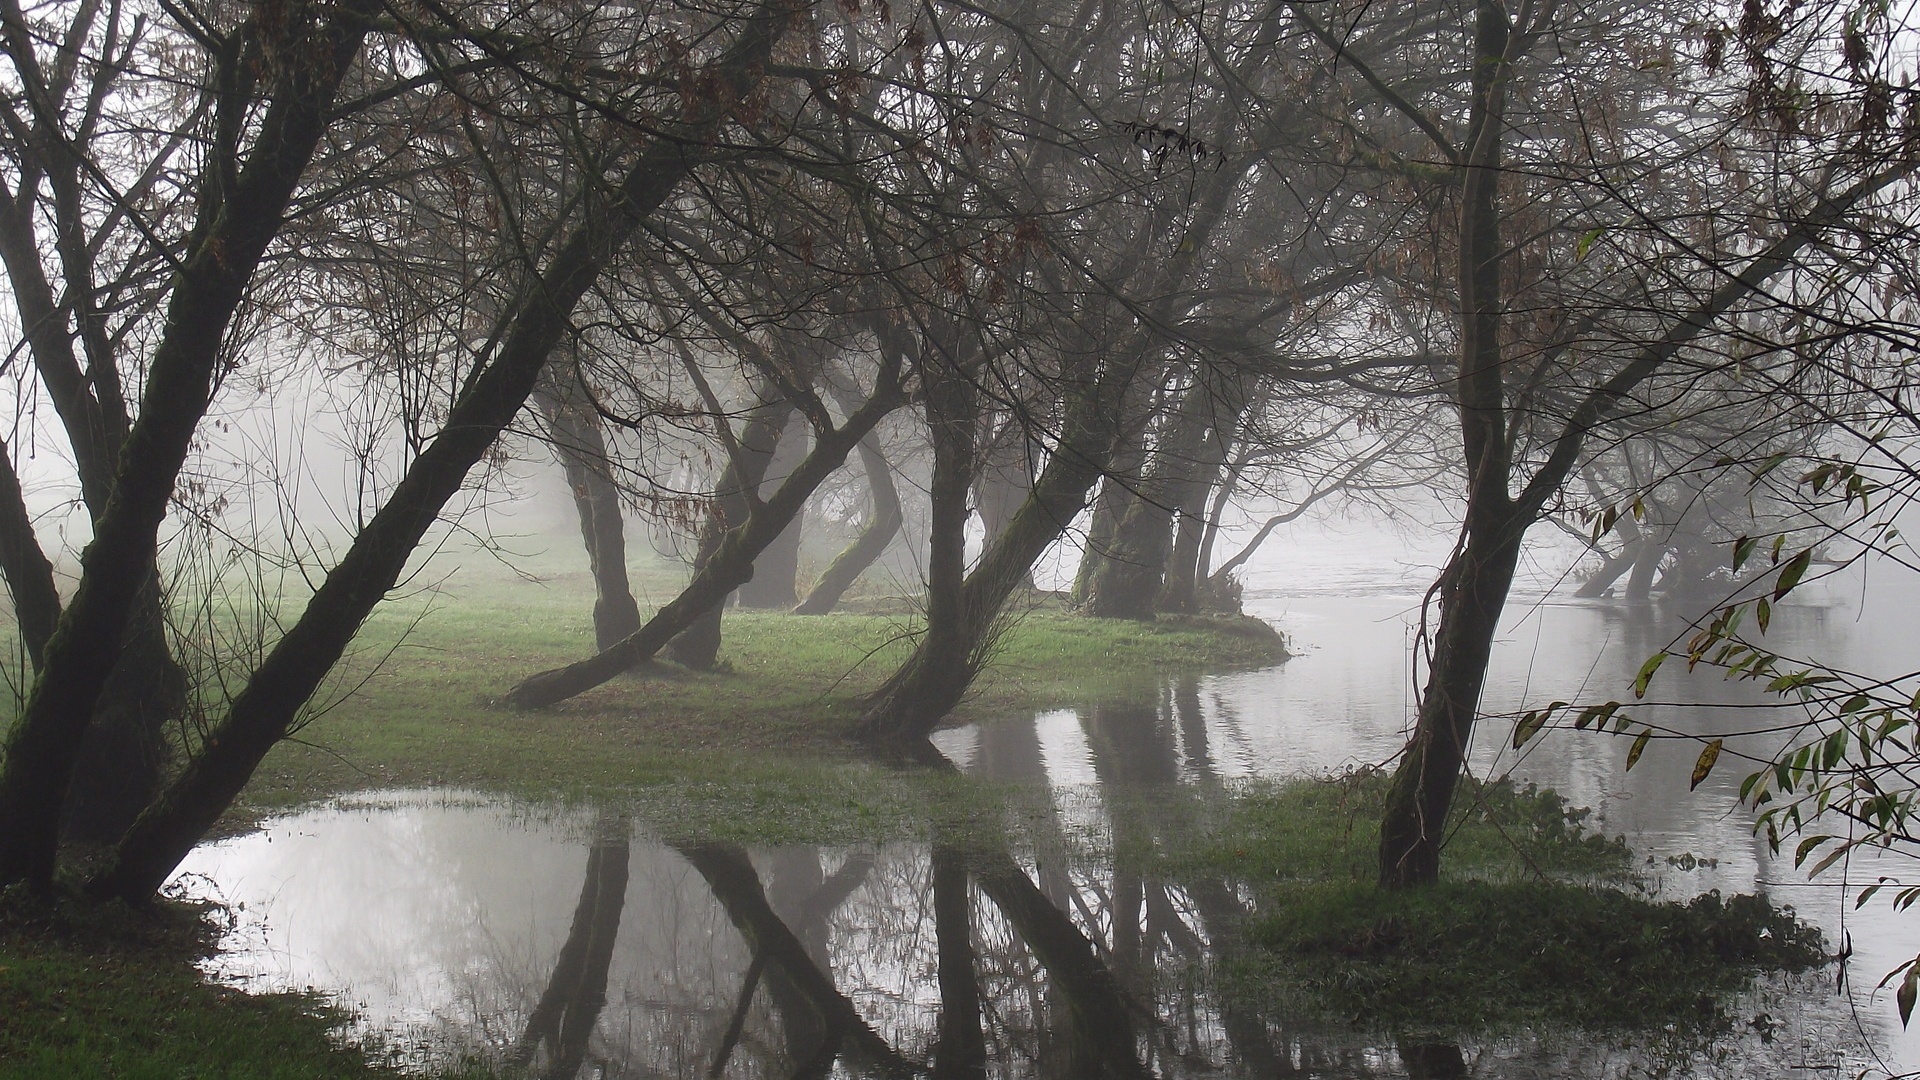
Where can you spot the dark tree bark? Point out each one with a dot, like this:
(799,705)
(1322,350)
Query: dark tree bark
(125,749)
(730,564)
(1127,583)
(226,245)
(775,584)
(579,441)
(1004,478)
(735,498)
(262,712)
(913,701)
(29,576)
(576,992)
(883,524)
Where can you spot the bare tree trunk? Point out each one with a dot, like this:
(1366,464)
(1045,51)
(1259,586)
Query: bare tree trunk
(776,573)
(221,254)
(883,524)
(579,440)
(1127,583)
(924,689)
(734,500)
(1473,591)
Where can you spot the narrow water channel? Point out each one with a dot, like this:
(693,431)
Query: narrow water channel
(574,941)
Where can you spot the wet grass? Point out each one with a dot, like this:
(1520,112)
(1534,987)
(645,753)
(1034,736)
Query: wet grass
(415,706)
(1538,924)
(104,992)
(1473,956)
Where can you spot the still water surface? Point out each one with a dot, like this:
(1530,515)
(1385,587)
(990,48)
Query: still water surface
(573,940)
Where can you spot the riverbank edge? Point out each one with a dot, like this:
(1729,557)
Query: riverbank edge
(86,990)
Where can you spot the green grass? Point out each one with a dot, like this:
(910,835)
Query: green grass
(769,726)
(102,992)
(1537,923)
(1473,956)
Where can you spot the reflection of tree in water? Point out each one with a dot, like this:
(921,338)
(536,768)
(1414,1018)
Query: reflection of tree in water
(562,1023)
(962,959)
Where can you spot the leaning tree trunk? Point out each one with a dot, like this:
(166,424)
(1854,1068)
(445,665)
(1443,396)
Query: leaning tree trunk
(917,696)
(1473,591)
(262,713)
(883,524)
(220,255)
(697,645)
(579,440)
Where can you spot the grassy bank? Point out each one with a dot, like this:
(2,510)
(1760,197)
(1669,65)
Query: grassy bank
(1530,929)
(415,704)
(1539,923)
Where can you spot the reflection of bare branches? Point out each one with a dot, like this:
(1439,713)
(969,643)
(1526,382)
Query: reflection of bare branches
(813,913)
(737,886)
(1101,1011)
(568,1010)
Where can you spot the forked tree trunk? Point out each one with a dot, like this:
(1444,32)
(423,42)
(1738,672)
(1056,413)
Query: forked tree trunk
(1127,583)
(220,256)
(579,441)
(883,524)
(126,747)
(697,645)
(924,689)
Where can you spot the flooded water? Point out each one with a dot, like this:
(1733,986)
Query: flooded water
(577,942)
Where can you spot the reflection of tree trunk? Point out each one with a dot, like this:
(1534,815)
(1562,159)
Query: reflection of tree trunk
(775,584)
(882,524)
(564,1018)
(580,443)
(960,1049)
(1100,1017)
(736,885)
(698,644)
